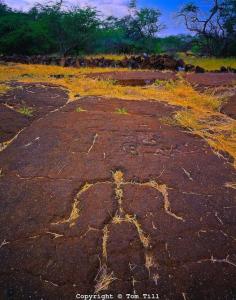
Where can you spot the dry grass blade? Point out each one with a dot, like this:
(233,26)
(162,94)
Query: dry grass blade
(231,185)
(103,279)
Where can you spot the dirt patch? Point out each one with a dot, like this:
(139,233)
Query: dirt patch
(24,103)
(135,78)
(97,200)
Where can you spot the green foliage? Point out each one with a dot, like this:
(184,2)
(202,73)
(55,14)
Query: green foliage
(176,43)
(109,40)
(26,111)
(140,30)
(53,29)
(80,109)
(121,111)
(50,28)
(47,29)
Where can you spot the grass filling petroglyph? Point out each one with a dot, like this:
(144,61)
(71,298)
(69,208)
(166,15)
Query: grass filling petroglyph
(75,211)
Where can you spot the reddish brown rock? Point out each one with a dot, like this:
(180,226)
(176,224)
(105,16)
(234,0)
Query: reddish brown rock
(94,195)
(140,78)
(41,98)
(230,107)
(134,78)
(36,99)
(211,79)
(11,122)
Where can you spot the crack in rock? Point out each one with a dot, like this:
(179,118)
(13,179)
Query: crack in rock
(216,260)
(4,145)
(93,143)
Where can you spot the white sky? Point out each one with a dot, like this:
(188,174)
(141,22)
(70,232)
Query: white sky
(114,7)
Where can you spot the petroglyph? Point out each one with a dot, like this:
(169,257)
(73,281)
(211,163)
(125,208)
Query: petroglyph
(88,215)
(104,278)
(163,189)
(75,211)
(74,215)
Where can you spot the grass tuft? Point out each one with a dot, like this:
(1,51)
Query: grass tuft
(121,111)
(4,88)
(231,185)
(218,130)
(26,111)
(80,109)
(103,279)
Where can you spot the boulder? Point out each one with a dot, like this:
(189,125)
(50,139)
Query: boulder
(189,68)
(199,70)
(223,69)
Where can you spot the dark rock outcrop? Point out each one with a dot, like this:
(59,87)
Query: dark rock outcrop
(199,69)
(159,62)
(189,68)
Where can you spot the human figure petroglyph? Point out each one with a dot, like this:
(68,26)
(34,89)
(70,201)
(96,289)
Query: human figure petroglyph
(120,216)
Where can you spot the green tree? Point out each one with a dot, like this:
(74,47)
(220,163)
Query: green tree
(47,29)
(20,34)
(71,29)
(228,14)
(176,43)
(216,30)
(141,29)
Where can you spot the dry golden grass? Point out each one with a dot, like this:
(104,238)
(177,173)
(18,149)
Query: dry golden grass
(4,145)
(149,262)
(103,279)
(209,63)
(179,93)
(4,88)
(144,239)
(231,185)
(118,179)
(107,56)
(200,112)
(75,211)
(217,129)
(104,241)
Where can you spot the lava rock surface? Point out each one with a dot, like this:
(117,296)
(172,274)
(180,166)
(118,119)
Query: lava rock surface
(94,200)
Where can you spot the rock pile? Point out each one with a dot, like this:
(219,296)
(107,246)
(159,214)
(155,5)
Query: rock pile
(154,62)
(160,62)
